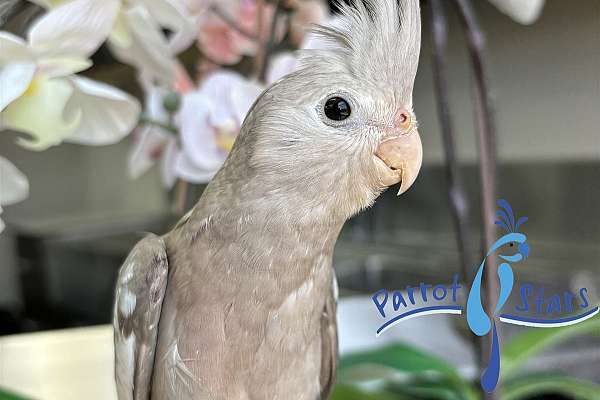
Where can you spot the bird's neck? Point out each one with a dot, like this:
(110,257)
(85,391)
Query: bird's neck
(272,229)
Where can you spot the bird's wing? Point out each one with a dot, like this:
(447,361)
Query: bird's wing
(138,300)
(329,343)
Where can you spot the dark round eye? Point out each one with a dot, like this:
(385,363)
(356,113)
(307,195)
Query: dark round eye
(337,109)
(512,244)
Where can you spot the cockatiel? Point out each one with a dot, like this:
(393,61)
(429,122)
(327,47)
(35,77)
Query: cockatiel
(238,300)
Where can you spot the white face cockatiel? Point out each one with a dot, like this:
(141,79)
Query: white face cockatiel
(237,301)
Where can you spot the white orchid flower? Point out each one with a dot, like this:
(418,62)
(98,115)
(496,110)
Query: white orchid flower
(210,120)
(43,98)
(136,32)
(287,62)
(152,142)
(525,12)
(14,186)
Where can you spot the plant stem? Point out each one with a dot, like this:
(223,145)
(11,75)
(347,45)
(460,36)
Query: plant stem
(456,190)
(457,197)
(181,195)
(232,23)
(487,150)
(262,63)
(10,9)
(145,119)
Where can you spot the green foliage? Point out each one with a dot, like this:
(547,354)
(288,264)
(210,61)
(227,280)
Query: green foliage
(533,341)
(4,395)
(407,371)
(523,388)
(349,392)
(399,372)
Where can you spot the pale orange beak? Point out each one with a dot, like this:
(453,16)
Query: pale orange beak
(399,159)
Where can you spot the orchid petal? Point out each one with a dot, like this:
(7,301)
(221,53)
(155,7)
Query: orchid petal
(14,81)
(107,114)
(17,68)
(14,49)
(153,102)
(62,66)
(39,112)
(42,3)
(230,96)
(14,186)
(187,170)
(167,164)
(217,90)
(243,97)
(218,41)
(280,66)
(525,12)
(149,144)
(197,135)
(49,3)
(120,34)
(148,51)
(172,15)
(75,28)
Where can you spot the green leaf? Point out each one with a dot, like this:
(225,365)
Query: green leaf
(406,362)
(4,395)
(526,387)
(429,390)
(534,341)
(349,392)
(400,357)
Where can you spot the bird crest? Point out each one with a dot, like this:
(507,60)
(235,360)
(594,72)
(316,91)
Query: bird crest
(375,40)
(507,219)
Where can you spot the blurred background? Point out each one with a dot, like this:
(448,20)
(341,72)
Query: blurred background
(89,200)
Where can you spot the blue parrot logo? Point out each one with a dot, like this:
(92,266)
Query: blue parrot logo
(479,321)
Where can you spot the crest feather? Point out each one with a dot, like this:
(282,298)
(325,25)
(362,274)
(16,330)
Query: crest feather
(374,40)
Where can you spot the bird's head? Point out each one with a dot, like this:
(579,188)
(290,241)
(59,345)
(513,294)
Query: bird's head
(341,129)
(513,246)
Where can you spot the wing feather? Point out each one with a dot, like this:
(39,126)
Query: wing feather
(329,343)
(138,301)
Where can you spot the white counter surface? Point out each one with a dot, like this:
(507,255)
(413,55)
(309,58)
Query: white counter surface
(71,364)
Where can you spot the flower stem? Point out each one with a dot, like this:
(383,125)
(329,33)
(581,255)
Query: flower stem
(262,59)
(487,150)
(145,119)
(232,23)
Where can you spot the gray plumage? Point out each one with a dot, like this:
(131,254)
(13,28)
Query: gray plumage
(237,301)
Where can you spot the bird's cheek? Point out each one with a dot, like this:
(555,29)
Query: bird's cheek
(399,159)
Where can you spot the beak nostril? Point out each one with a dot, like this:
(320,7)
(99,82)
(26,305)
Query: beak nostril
(403,121)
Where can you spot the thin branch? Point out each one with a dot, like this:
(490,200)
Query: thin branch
(232,23)
(10,9)
(486,134)
(457,197)
(263,61)
(456,191)
(145,119)
(181,197)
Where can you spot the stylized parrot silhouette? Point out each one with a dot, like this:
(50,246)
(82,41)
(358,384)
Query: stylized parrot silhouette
(479,321)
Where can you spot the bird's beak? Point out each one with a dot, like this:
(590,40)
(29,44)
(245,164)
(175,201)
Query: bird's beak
(399,159)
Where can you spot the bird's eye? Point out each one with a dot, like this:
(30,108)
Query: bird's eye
(337,109)
(512,244)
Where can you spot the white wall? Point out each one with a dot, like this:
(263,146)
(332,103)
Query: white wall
(545,79)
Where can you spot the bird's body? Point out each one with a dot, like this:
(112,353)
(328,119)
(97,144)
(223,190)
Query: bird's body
(245,341)
(238,300)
